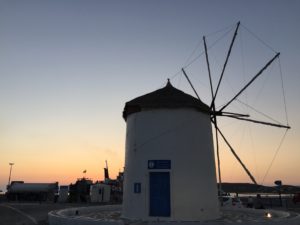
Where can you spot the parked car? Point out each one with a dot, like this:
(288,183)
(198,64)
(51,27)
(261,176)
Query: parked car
(231,202)
(296,198)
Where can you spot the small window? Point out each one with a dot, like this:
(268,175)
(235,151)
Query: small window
(137,188)
(100,191)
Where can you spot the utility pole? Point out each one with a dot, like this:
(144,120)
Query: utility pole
(279,185)
(11,165)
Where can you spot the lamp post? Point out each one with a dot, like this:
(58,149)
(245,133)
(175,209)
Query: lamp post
(279,184)
(11,165)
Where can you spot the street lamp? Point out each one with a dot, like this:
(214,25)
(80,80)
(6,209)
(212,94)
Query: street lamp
(11,165)
(279,184)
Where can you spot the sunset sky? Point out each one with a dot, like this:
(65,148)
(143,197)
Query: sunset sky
(67,67)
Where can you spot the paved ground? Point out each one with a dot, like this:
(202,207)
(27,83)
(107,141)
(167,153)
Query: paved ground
(29,213)
(37,214)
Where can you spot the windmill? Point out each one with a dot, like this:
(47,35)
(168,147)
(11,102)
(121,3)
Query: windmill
(215,113)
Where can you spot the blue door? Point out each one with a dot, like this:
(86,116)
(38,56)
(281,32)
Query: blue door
(160,194)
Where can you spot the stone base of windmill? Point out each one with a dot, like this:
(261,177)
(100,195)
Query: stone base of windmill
(111,215)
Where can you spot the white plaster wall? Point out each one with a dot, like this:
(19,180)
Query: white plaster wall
(63,195)
(105,192)
(183,136)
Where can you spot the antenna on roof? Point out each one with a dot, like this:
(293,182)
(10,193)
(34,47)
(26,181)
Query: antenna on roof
(106,175)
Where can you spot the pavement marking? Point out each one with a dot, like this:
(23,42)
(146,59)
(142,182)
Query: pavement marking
(32,219)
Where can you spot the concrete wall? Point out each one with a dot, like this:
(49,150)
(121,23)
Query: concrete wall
(100,193)
(183,136)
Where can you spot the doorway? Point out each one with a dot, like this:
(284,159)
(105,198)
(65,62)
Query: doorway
(160,194)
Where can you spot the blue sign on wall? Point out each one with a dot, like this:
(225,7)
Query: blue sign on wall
(159,164)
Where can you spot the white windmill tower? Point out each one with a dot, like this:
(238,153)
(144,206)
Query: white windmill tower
(169,162)
(169,159)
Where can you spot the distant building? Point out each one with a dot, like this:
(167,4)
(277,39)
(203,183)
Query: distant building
(100,192)
(116,188)
(80,191)
(63,194)
(20,191)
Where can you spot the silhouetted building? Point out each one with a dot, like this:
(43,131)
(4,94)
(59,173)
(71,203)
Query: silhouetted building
(80,191)
(20,191)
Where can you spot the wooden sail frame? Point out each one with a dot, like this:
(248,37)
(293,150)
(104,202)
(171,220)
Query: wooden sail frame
(215,113)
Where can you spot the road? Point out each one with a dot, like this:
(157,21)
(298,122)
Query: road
(28,213)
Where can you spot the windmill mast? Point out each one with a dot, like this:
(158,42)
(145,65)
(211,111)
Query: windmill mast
(214,121)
